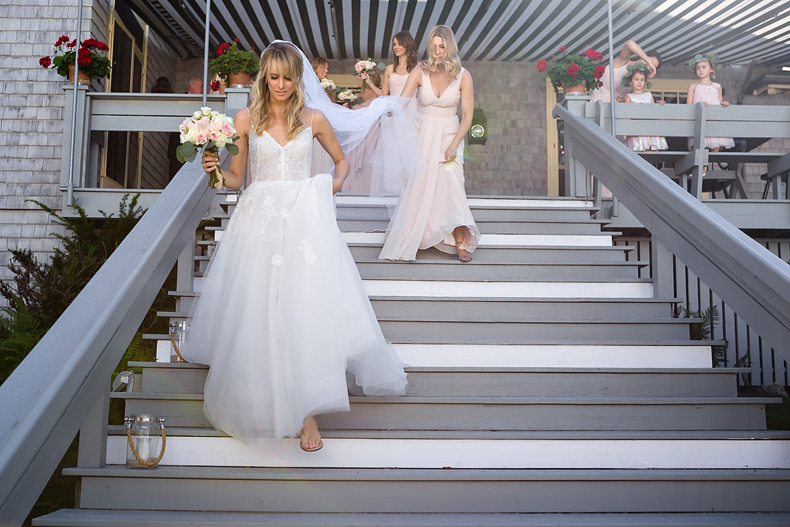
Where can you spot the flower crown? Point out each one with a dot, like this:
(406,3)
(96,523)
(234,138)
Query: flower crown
(710,57)
(637,67)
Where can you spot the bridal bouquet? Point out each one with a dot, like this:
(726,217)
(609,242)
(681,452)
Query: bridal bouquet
(348,96)
(329,86)
(364,66)
(210,130)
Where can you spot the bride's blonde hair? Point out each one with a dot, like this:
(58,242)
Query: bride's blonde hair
(288,62)
(451,62)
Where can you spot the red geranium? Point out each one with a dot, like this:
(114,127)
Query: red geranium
(223,48)
(568,69)
(599,69)
(214,86)
(89,57)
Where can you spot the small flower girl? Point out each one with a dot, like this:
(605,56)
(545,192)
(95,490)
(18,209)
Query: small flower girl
(709,93)
(636,78)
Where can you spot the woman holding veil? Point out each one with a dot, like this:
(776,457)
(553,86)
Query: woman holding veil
(283,316)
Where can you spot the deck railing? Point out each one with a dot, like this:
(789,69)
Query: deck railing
(48,397)
(754,282)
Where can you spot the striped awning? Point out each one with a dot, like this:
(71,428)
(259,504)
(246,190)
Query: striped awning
(490,30)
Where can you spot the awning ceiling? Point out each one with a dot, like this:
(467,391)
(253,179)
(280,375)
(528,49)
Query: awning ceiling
(491,30)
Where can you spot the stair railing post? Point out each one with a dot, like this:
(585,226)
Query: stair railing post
(185,268)
(577,180)
(92,451)
(662,269)
(72,174)
(700,154)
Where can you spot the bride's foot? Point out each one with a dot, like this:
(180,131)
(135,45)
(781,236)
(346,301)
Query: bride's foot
(462,254)
(310,438)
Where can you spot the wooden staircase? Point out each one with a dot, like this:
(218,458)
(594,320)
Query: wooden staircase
(546,387)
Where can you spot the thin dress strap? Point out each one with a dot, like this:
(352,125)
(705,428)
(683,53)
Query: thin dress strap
(312,114)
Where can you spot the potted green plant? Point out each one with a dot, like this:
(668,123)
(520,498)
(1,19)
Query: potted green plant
(572,72)
(235,66)
(91,57)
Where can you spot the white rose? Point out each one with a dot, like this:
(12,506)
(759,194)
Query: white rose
(197,116)
(206,110)
(190,136)
(220,141)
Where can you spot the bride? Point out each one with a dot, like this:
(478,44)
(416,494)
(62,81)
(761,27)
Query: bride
(283,315)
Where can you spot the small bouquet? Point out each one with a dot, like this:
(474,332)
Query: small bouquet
(348,96)
(329,86)
(210,130)
(364,66)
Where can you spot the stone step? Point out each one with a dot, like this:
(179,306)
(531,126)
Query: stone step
(504,454)
(497,413)
(505,382)
(138,518)
(433,490)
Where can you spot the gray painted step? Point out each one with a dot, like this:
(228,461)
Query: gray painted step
(129,518)
(444,269)
(688,435)
(503,254)
(497,413)
(547,215)
(434,491)
(505,382)
(509,310)
(482,331)
(491,226)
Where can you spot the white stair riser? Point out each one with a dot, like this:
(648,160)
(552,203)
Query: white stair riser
(512,240)
(497,203)
(472,454)
(537,356)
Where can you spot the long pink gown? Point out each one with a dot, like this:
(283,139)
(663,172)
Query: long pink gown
(434,202)
(643,143)
(397,82)
(709,94)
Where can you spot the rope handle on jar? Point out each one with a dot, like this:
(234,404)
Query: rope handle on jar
(175,346)
(134,450)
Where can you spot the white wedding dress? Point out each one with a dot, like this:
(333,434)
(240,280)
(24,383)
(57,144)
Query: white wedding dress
(283,314)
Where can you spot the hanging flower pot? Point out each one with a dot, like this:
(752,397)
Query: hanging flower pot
(83,79)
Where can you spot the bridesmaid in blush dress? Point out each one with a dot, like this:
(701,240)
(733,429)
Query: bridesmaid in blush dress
(433,211)
(397,73)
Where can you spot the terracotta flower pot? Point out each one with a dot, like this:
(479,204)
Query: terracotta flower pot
(239,79)
(576,88)
(83,79)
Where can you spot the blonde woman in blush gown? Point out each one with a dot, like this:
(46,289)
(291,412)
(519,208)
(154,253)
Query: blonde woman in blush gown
(433,211)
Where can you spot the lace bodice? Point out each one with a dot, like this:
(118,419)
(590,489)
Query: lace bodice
(270,161)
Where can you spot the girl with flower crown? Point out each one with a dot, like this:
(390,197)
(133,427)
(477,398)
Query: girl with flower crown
(709,93)
(636,78)
(651,59)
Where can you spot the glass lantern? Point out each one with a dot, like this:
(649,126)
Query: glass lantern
(178,334)
(146,440)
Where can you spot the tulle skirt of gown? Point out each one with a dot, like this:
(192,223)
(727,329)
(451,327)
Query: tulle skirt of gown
(434,202)
(283,315)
